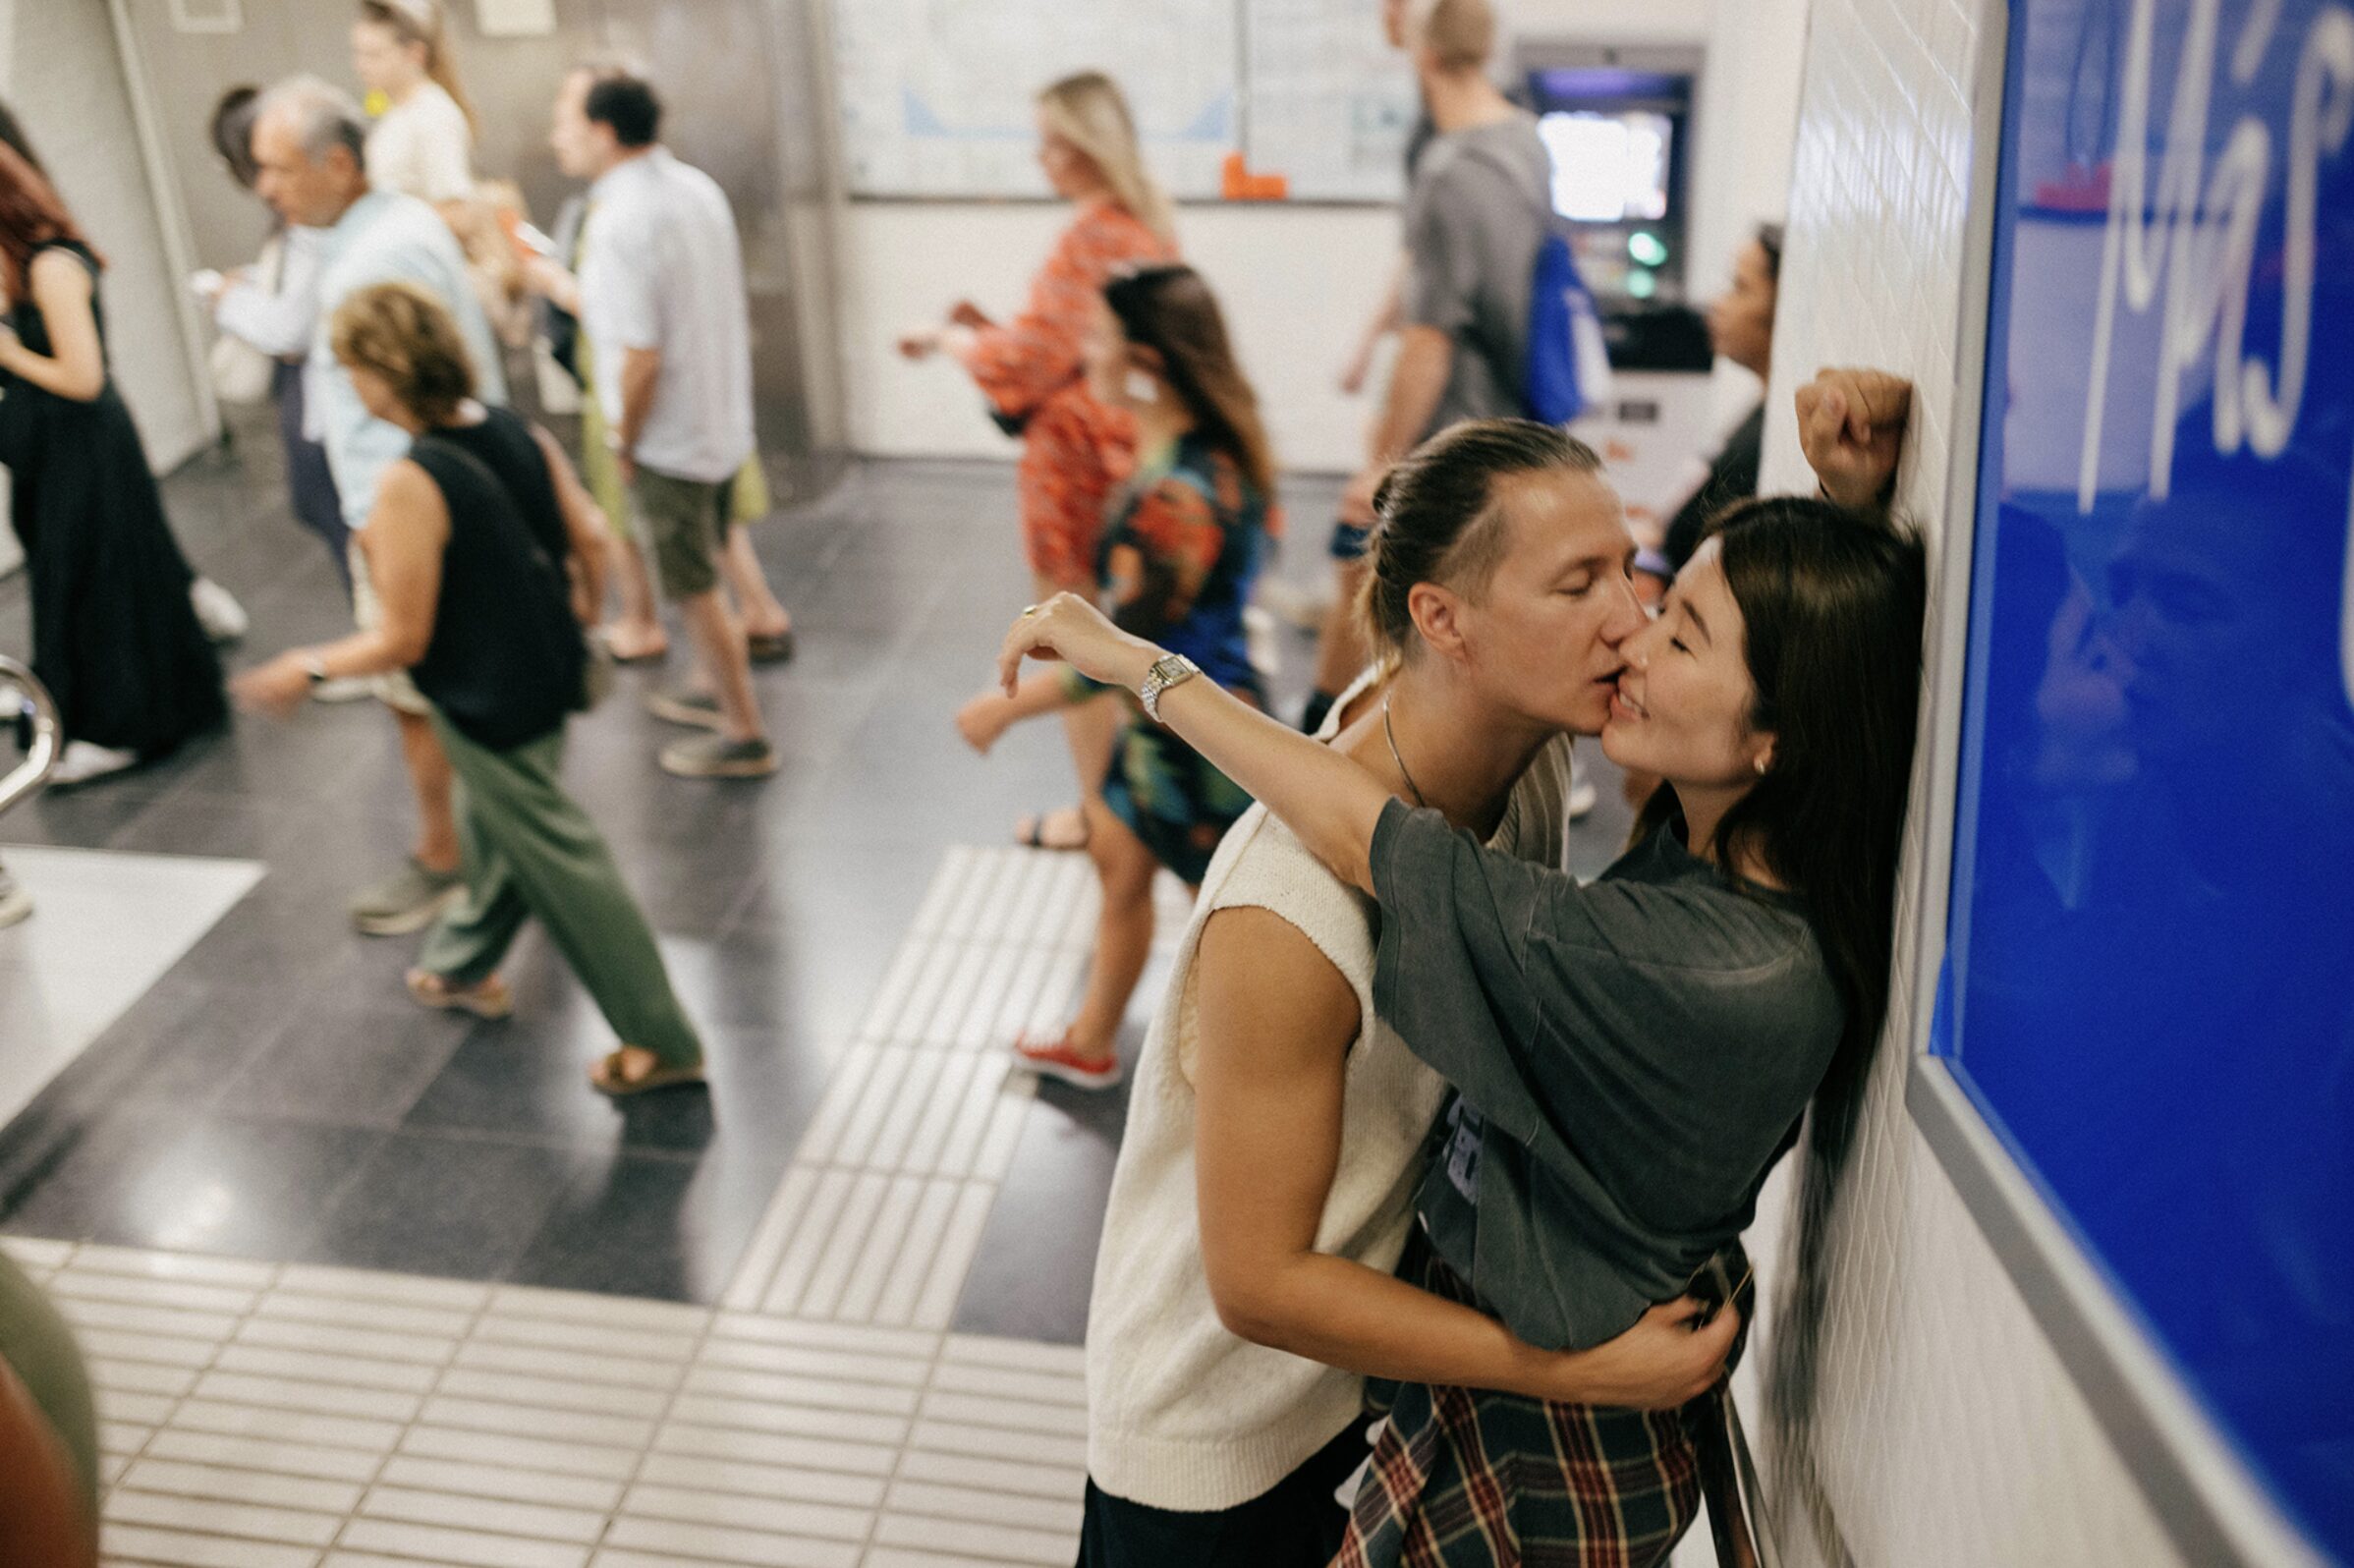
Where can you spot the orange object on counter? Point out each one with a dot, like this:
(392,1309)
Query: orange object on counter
(1239,184)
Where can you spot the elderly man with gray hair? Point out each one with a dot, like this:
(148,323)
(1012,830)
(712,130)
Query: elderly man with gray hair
(308,143)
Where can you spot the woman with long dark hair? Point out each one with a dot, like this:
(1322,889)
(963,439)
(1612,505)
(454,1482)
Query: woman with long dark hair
(1629,1056)
(114,636)
(1181,547)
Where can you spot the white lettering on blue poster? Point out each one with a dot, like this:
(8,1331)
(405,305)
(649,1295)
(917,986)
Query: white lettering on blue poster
(2150,960)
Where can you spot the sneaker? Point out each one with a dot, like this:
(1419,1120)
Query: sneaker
(694,709)
(409,900)
(83,762)
(1583,799)
(717,757)
(15,902)
(344,688)
(218,611)
(1057,1059)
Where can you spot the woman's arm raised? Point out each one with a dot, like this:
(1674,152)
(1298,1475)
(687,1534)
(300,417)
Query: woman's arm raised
(1329,801)
(1276,1020)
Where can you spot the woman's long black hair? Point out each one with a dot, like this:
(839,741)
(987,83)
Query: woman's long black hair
(1833,601)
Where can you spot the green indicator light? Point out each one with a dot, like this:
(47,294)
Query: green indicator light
(1646,249)
(1641,284)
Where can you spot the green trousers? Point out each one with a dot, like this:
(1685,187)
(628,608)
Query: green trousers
(531,850)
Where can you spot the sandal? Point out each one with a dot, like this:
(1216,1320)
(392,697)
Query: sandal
(769,648)
(610,1075)
(486,998)
(1031,831)
(651,653)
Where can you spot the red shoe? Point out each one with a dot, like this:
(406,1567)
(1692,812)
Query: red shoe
(1057,1059)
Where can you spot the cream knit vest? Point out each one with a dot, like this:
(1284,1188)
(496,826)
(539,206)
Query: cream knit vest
(1181,1414)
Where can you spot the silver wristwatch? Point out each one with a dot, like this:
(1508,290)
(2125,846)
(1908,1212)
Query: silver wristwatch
(1174,669)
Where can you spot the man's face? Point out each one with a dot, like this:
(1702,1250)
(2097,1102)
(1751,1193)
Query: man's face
(309,192)
(1543,633)
(581,147)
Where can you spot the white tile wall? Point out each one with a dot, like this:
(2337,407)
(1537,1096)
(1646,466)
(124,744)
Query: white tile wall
(62,74)
(1944,1431)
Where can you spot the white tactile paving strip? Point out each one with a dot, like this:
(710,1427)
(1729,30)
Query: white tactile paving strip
(878,1217)
(284,1416)
(281,1416)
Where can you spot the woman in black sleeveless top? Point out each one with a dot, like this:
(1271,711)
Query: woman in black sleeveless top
(482,550)
(114,637)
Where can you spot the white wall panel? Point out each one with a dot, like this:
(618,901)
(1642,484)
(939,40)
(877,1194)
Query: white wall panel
(1944,1430)
(65,79)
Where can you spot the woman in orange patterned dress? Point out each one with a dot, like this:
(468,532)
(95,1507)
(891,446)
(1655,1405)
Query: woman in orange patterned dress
(1075,450)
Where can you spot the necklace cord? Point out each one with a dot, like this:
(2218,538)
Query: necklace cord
(1390,734)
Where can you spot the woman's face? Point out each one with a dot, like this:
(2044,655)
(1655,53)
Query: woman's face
(1541,637)
(1105,352)
(1071,172)
(383,62)
(1684,701)
(375,393)
(1741,319)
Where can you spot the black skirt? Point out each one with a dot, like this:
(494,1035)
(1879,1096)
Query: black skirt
(114,637)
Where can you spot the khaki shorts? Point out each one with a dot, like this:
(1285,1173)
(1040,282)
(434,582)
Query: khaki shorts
(394,689)
(683,523)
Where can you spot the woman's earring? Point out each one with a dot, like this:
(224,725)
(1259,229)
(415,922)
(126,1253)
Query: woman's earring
(1142,389)
(1762,764)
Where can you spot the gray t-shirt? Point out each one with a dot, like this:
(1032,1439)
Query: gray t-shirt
(1631,1056)
(1477,210)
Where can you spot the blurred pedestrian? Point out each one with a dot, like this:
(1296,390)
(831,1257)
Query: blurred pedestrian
(1075,449)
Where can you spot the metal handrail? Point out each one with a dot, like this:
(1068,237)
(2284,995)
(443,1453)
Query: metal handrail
(36,711)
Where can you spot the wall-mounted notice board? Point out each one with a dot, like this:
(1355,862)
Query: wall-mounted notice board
(2149,992)
(935,95)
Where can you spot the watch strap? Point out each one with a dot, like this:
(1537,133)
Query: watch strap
(1170,670)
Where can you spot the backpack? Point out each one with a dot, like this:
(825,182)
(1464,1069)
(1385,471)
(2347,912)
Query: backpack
(1565,364)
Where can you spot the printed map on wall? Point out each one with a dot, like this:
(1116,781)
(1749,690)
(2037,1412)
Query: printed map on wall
(936,94)
(1327,103)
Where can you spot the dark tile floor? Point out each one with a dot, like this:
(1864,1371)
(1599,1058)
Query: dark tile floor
(274,1095)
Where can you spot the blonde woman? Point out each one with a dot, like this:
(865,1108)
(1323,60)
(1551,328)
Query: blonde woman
(423,143)
(1032,370)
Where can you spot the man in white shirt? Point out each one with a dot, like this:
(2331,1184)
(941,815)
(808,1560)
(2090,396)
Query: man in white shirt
(308,153)
(663,301)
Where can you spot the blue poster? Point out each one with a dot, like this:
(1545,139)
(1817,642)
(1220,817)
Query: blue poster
(2152,932)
